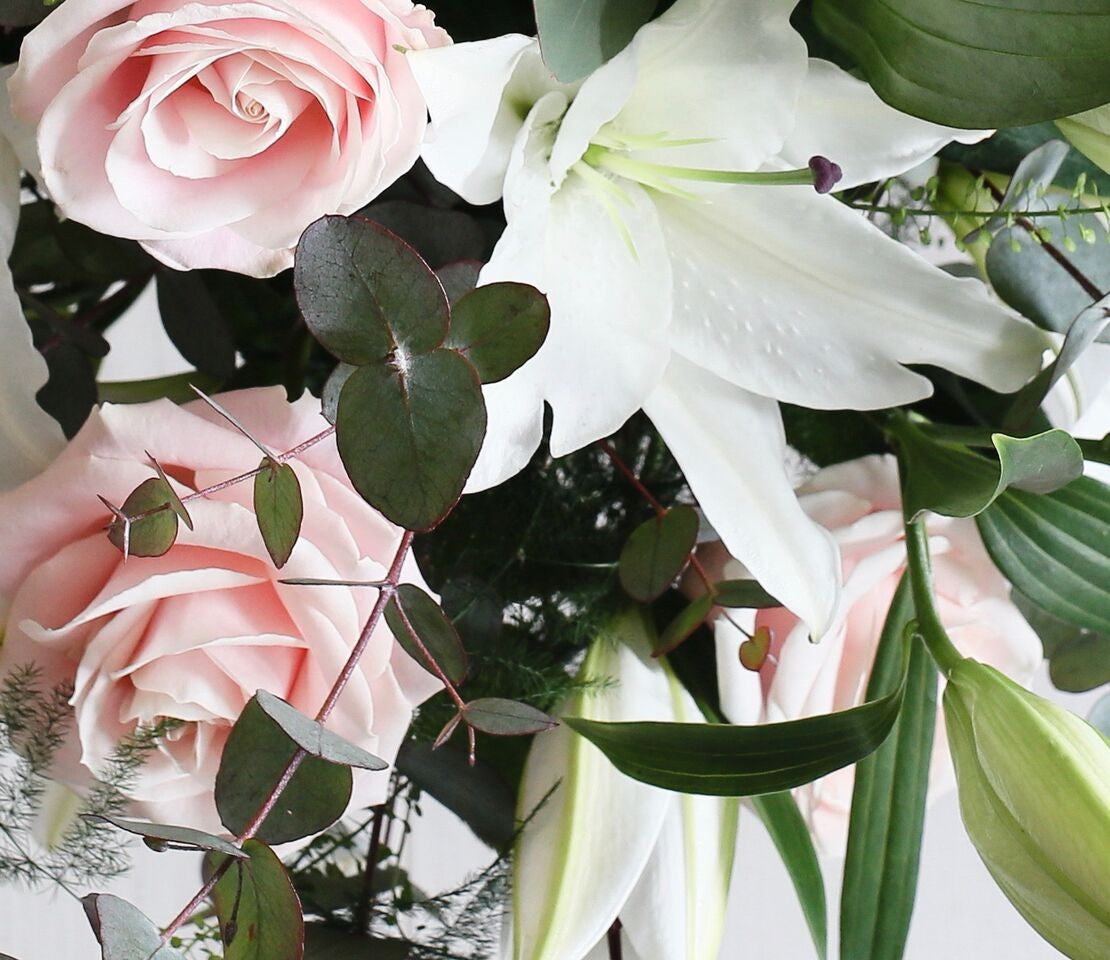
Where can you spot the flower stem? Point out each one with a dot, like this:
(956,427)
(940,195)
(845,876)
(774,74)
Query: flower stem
(929,623)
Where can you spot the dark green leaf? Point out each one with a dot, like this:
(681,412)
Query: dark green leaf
(151,535)
(159,836)
(692,616)
(70,392)
(499,328)
(474,608)
(254,758)
(194,323)
(333,387)
(258,909)
(1078,659)
(431,625)
(578,36)
(439,236)
(784,822)
(278,508)
(478,795)
(740,761)
(409,437)
(174,500)
(948,478)
(1055,549)
(365,293)
(657,552)
(459,278)
(124,931)
(506,718)
(313,737)
(23,13)
(997,64)
(888,802)
(742,593)
(328,943)
(1096,450)
(178,388)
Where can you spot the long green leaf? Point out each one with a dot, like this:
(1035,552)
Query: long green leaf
(888,803)
(990,63)
(784,822)
(1055,549)
(729,760)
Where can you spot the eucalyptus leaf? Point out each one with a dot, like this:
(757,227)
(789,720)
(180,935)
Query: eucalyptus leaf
(657,552)
(1033,176)
(124,931)
(1055,549)
(333,387)
(365,293)
(578,36)
(194,322)
(742,593)
(1078,659)
(313,737)
(432,626)
(155,529)
(258,909)
(784,822)
(174,500)
(278,508)
(739,761)
(692,616)
(506,718)
(256,754)
(499,327)
(459,278)
(428,422)
(439,236)
(977,65)
(950,479)
(888,802)
(160,836)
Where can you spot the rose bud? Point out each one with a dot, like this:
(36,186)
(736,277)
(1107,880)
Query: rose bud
(1034,787)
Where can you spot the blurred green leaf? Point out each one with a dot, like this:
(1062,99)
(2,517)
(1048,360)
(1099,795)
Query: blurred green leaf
(1055,549)
(692,616)
(278,508)
(977,64)
(439,236)
(1078,658)
(70,393)
(328,943)
(428,422)
(499,327)
(194,322)
(254,758)
(657,552)
(431,625)
(124,931)
(459,279)
(258,909)
(506,718)
(578,36)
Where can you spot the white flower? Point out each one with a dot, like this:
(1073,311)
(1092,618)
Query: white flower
(29,437)
(705,303)
(599,844)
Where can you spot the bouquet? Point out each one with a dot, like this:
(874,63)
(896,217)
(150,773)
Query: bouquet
(608,418)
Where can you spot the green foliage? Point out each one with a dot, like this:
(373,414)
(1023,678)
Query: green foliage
(146,524)
(195,323)
(499,327)
(313,737)
(124,931)
(977,65)
(1078,659)
(258,909)
(578,36)
(888,803)
(278,508)
(657,552)
(433,628)
(506,718)
(160,836)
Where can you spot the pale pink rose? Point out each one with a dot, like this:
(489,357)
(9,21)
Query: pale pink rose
(215,132)
(194,634)
(860,504)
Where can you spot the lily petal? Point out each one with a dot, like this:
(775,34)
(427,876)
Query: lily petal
(677,910)
(794,296)
(732,449)
(842,118)
(582,851)
(474,92)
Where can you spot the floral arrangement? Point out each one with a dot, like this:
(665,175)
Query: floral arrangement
(609,418)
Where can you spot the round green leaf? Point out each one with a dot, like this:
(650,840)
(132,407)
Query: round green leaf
(365,293)
(149,536)
(499,328)
(657,552)
(431,625)
(314,737)
(254,758)
(459,278)
(278,508)
(124,931)
(258,909)
(506,718)
(409,436)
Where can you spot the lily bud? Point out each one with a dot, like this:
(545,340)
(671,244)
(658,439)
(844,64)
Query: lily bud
(1034,786)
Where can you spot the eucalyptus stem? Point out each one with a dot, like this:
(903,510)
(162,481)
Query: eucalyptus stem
(929,623)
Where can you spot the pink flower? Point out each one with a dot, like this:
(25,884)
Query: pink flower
(214,133)
(860,504)
(193,634)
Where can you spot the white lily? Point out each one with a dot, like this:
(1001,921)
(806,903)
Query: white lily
(29,437)
(704,303)
(599,845)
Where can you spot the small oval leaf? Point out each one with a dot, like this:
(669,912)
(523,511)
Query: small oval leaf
(506,718)
(155,530)
(278,508)
(742,593)
(314,737)
(431,625)
(657,552)
(172,838)
(499,327)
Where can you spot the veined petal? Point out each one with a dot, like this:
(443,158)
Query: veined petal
(732,449)
(842,118)
(29,437)
(478,96)
(677,910)
(719,69)
(794,296)
(583,850)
